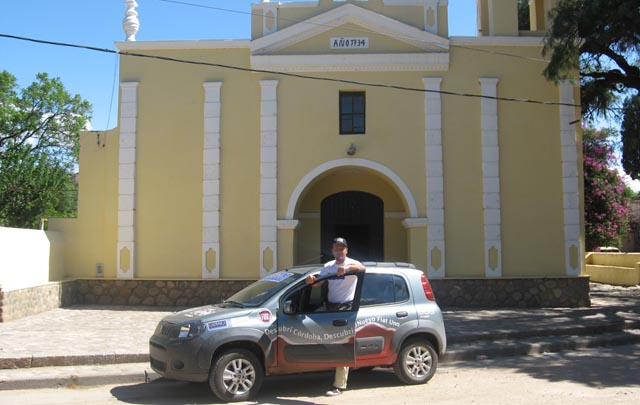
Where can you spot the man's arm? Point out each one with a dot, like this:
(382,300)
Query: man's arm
(350,267)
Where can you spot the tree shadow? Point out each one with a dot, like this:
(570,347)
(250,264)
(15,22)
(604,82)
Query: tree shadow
(310,388)
(597,368)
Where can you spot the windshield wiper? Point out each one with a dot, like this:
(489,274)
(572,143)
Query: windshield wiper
(234,303)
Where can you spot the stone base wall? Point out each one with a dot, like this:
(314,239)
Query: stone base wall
(17,304)
(512,293)
(450,293)
(159,293)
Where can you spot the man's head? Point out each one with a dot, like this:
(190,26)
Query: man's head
(339,249)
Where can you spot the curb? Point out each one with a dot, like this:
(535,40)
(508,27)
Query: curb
(65,361)
(75,376)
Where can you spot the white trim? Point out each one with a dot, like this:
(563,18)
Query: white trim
(288,224)
(353,62)
(188,44)
(211,178)
(349,13)
(491,175)
(497,41)
(430,4)
(570,180)
(434,174)
(415,223)
(127,177)
(268,173)
(269,7)
(357,162)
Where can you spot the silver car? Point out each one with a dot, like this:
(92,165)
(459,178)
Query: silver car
(280,325)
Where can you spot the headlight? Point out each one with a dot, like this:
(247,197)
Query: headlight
(191,330)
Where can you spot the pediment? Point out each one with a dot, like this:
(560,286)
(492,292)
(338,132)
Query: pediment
(410,39)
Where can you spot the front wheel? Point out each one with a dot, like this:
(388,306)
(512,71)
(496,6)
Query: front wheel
(417,362)
(236,375)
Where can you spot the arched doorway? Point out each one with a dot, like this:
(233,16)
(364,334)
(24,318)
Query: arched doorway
(356,216)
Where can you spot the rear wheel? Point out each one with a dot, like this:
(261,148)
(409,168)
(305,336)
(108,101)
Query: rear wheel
(236,375)
(417,362)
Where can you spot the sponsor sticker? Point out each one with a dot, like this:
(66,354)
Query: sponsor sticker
(278,277)
(265,316)
(217,324)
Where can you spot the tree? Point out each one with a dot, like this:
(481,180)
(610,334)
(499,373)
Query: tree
(630,136)
(43,117)
(606,200)
(601,39)
(39,128)
(32,185)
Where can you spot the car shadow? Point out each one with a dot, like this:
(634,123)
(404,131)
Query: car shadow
(309,387)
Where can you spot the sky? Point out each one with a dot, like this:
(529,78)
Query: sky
(98,23)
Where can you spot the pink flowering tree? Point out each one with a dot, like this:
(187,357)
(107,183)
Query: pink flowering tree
(606,198)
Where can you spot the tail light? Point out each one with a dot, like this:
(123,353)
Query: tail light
(428,292)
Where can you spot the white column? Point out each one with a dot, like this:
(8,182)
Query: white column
(435,179)
(268,177)
(211,182)
(570,180)
(127,180)
(491,179)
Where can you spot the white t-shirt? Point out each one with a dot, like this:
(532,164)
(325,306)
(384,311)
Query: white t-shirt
(340,289)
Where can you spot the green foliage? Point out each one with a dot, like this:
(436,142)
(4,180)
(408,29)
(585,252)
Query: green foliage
(601,39)
(39,145)
(606,198)
(630,132)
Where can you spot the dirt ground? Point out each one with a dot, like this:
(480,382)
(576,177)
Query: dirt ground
(598,376)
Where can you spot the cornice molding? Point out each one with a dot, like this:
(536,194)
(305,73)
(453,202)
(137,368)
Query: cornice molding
(190,44)
(349,14)
(432,62)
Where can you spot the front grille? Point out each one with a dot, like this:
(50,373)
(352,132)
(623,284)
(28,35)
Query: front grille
(157,346)
(158,365)
(170,330)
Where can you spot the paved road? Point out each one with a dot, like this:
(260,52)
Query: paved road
(610,376)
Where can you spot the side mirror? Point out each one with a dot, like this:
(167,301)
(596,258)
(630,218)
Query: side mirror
(288,307)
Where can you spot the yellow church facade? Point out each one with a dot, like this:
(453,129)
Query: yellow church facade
(361,119)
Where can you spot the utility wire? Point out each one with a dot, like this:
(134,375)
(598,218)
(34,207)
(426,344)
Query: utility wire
(286,74)
(356,30)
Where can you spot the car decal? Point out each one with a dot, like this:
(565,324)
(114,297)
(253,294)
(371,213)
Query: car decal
(278,277)
(217,324)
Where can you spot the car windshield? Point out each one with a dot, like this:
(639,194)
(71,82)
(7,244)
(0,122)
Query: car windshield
(257,293)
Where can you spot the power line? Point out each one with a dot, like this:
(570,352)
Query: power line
(400,37)
(286,74)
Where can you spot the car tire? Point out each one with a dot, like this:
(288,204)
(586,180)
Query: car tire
(417,362)
(236,375)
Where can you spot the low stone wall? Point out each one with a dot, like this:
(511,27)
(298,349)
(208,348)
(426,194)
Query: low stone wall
(512,292)
(159,293)
(450,293)
(23,302)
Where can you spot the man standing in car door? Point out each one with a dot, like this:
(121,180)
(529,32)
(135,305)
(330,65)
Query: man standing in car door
(341,293)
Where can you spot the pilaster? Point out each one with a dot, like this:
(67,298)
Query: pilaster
(491,179)
(211,182)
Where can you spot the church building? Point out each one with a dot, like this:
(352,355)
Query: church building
(233,159)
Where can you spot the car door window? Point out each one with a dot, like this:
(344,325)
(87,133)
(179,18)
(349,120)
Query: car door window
(309,299)
(381,289)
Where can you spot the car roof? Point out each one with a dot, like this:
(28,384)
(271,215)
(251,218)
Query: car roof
(310,268)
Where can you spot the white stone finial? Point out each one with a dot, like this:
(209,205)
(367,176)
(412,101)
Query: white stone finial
(130,24)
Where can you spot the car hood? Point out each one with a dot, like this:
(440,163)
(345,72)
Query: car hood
(207,313)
